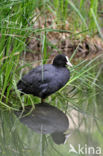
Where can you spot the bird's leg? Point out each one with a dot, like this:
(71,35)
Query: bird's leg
(42,100)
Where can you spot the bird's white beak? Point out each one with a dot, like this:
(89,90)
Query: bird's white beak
(68,62)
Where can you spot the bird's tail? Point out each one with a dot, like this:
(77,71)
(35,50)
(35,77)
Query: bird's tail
(21,86)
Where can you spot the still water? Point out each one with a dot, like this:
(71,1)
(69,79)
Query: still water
(44,131)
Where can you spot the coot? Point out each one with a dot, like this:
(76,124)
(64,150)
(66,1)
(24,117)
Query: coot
(44,80)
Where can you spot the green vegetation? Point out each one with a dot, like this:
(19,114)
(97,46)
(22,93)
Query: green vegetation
(84,91)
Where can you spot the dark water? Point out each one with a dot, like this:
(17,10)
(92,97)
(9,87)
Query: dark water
(42,131)
(33,134)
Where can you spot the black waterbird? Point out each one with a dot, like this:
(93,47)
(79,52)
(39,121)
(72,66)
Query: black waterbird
(44,80)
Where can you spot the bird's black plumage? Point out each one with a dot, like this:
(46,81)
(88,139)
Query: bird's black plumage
(44,80)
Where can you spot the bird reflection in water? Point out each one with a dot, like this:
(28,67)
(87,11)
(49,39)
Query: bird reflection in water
(46,119)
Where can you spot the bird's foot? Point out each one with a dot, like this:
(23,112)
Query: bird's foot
(42,100)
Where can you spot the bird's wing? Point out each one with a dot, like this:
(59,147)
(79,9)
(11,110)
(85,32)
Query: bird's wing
(32,76)
(38,79)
